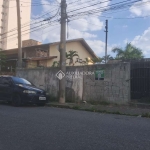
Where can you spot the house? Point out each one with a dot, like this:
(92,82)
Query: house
(45,55)
(30,42)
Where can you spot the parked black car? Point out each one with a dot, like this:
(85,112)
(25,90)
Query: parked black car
(19,91)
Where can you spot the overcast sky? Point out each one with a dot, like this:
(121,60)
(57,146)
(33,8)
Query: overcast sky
(91,28)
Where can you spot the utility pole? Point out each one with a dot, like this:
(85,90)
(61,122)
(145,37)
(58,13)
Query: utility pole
(62,82)
(106,27)
(19,35)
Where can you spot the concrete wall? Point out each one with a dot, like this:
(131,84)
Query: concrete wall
(46,79)
(114,88)
(42,78)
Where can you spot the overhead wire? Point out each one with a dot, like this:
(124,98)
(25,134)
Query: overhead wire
(29,29)
(102,9)
(14,38)
(121,7)
(29,23)
(35,27)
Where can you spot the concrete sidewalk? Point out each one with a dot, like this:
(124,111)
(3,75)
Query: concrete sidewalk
(132,110)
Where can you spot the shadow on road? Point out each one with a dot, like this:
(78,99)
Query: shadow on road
(24,105)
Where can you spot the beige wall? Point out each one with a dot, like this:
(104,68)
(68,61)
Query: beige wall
(75,46)
(12,22)
(32,64)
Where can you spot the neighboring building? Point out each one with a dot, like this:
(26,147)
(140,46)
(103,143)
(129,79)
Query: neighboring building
(46,54)
(78,45)
(30,42)
(8,23)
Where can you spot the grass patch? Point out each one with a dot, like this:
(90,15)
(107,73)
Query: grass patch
(147,115)
(92,109)
(99,103)
(117,112)
(52,98)
(76,107)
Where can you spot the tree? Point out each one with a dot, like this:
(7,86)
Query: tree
(130,52)
(92,60)
(70,55)
(87,61)
(55,64)
(97,60)
(108,57)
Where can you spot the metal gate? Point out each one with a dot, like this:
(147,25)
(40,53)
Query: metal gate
(140,81)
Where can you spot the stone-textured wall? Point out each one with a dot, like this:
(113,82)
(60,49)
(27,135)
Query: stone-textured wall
(46,79)
(42,78)
(114,88)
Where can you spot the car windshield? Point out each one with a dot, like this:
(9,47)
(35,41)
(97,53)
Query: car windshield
(21,81)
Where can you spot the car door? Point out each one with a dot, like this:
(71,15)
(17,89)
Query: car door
(7,88)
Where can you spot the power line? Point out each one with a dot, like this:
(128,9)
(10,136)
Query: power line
(56,25)
(29,29)
(123,4)
(48,18)
(29,5)
(34,30)
(87,3)
(102,9)
(34,27)
(28,23)
(74,15)
(31,2)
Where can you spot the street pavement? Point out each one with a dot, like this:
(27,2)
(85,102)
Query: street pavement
(48,128)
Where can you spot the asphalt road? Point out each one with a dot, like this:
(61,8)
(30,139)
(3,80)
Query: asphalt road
(46,128)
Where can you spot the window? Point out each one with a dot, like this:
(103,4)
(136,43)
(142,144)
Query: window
(21,81)
(4,80)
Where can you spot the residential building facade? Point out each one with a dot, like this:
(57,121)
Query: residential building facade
(8,23)
(45,55)
(30,42)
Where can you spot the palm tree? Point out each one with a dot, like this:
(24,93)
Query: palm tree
(97,60)
(70,55)
(92,60)
(55,64)
(67,55)
(87,61)
(130,52)
(108,57)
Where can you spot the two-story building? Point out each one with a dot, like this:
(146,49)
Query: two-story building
(35,54)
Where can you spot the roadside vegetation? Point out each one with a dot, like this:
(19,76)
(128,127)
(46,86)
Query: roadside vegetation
(128,53)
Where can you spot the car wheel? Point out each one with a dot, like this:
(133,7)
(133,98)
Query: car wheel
(41,104)
(16,101)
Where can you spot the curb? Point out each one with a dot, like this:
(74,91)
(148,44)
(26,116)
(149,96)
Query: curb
(140,105)
(78,107)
